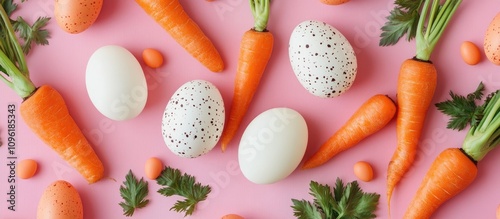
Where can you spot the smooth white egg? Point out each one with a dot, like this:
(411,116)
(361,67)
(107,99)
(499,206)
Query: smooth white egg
(193,119)
(116,83)
(322,59)
(272,145)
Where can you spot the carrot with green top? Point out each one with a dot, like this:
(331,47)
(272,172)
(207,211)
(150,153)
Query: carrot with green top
(371,117)
(172,17)
(255,51)
(426,21)
(43,108)
(455,169)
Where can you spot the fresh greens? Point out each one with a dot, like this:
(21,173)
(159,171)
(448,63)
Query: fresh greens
(176,183)
(419,19)
(16,40)
(346,202)
(484,120)
(260,12)
(133,192)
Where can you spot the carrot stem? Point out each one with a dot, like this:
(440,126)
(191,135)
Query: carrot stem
(486,136)
(260,12)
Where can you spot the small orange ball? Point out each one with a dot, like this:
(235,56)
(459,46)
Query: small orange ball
(363,170)
(232,216)
(152,58)
(153,168)
(26,168)
(470,53)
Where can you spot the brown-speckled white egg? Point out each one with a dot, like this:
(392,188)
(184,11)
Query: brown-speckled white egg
(322,59)
(193,119)
(60,200)
(492,41)
(75,16)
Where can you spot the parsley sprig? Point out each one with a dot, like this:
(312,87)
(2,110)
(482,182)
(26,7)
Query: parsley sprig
(346,201)
(484,120)
(424,20)
(176,183)
(133,192)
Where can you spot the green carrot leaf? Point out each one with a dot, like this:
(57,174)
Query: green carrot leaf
(133,192)
(184,185)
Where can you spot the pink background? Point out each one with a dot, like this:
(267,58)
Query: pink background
(128,144)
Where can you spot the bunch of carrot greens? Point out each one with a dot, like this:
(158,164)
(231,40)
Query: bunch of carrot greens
(425,21)
(43,109)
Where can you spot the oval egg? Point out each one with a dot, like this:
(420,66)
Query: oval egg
(322,59)
(60,200)
(153,167)
(26,168)
(492,41)
(232,216)
(470,53)
(116,83)
(75,16)
(193,119)
(272,145)
(363,170)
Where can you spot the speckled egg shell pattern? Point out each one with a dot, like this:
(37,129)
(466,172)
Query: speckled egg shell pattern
(193,119)
(75,16)
(492,41)
(322,59)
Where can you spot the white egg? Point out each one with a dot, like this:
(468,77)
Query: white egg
(272,145)
(322,59)
(193,119)
(116,83)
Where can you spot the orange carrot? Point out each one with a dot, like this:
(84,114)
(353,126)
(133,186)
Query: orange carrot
(373,115)
(255,51)
(170,15)
(43,108)
(46,114)
(416,85)
(425,21)
(455,169)
(450,173)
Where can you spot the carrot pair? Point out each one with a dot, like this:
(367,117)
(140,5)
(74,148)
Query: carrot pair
(372,116)
(170,15)
(255,51)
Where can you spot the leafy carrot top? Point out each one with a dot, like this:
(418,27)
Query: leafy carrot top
(12,51)
(420,20)
(484,120)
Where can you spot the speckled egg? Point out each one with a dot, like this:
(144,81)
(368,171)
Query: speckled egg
(322,59)
(60,200)
(492,41)
(193,119)
(75,16)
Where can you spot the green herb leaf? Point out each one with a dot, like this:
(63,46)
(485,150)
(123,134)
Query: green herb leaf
(32,33)
(347,201)
(176,183)
(9,6)
(484,133)
(402,20)
(303,209)
(462,109)
(133,192)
